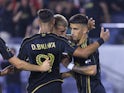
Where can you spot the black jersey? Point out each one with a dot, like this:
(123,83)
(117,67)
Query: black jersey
(39,47)
(86,83)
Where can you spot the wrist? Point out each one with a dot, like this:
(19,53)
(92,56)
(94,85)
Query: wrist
(100,41)
(41,69)
(70,66)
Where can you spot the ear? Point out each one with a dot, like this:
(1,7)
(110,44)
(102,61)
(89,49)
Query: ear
(53,20)
(39,21)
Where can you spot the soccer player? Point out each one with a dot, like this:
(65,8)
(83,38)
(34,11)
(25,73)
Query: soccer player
(87,73)
(61,25)
(47,45)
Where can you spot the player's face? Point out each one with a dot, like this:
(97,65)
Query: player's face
(61,30)
(76,31)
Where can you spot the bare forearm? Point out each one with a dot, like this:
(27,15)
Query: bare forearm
(22,65)
(86,70)
(86,52)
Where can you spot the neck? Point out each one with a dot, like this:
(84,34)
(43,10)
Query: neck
(54,31)
(45,28)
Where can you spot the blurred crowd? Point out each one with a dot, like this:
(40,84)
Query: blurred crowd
(16,16)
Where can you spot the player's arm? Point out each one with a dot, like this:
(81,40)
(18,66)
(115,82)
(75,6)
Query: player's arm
(20,64)
(86,70)
(85,52)
(7,70)
(66,75)
(11,69)
(23,65)
(66,60)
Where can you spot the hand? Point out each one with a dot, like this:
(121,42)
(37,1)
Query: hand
(7,70)
(46,65)
(91,24)
(65,61)
(105,34)
(83,39)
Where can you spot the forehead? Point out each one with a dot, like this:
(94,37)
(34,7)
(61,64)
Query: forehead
(75,25)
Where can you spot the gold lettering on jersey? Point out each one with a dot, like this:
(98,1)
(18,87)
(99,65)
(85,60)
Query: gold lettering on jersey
(43,46)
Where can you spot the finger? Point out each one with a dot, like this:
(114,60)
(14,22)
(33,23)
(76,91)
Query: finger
(107,30)
(93,21)
(47,58)
(102,29)
(91,18)
(87,17)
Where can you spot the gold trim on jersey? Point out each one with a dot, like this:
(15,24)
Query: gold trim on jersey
(88,87)
(45,84)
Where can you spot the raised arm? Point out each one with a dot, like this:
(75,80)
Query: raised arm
(85,52)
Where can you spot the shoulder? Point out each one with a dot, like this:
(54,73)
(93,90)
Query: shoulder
(29,39)
(53,35)
(64,38)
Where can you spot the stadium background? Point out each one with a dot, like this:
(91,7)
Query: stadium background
(17,21)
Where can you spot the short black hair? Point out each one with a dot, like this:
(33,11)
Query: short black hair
(45,15)
(79,18)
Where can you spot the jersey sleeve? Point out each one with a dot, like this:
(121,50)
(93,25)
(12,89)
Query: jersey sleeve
(23,52)
(68,48)
(93,59)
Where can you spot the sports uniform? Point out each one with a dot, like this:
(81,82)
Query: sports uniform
(37,48)
(85,83)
